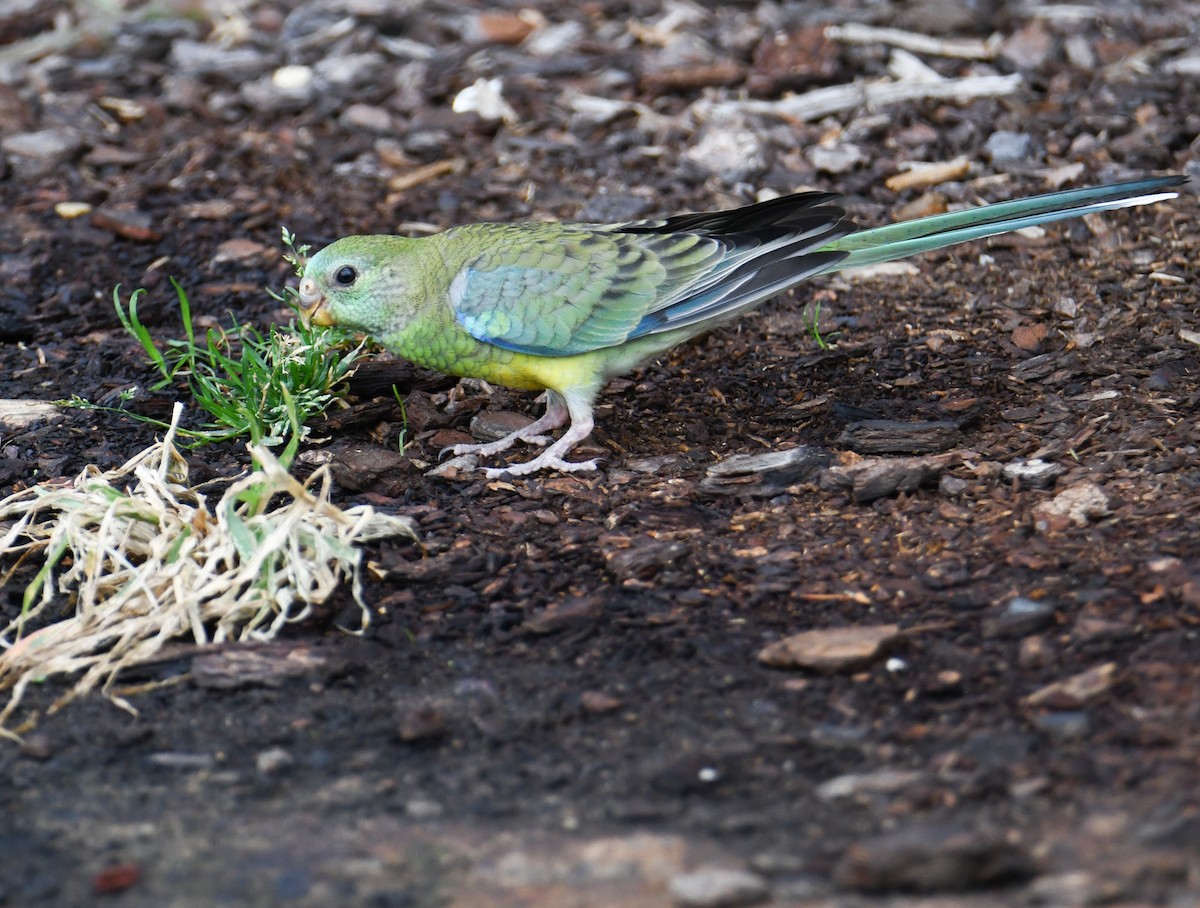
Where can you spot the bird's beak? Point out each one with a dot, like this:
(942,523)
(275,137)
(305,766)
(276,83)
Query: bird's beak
(313,307)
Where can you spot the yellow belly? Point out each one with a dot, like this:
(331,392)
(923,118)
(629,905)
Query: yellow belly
(536,373)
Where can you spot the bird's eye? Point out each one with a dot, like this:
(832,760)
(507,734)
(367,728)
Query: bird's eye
(346,276)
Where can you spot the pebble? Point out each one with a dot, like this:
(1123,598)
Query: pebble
(233,64)
(952,486)
(1019,618)
(367,117)
(836,157)
(1028,47)
(881,781)
(831,650)
(932,859)
(424,808)
(344,73)
(272,761)
(729,148)
(420,724)
(553,40)
(35,154)
(1005,147)
(1078,505)
(287,88)
(1069,725)
(455,467)
(716,887)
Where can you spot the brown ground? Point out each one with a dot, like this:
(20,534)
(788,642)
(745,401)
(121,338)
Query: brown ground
(561,700)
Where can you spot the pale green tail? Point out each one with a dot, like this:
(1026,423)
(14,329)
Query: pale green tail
(897,241)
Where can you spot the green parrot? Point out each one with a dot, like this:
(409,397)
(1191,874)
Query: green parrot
(563,307)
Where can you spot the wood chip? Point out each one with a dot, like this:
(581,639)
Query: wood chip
(895,436)
(20,414)
(126,222)
(878,477)
(764,474)
(822,102)
(1077,690)
(962,48)
(922,175)
(419,175)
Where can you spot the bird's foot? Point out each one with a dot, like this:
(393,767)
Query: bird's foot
(534,433)
(487,449)
(542,462)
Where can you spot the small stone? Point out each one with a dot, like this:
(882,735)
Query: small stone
(35,154)
(345,72)
(785,61)
(288,88)
(556,39)
(68,211)
(241,250)
(881,781)
(1079,52)
(1028,47)
(492,425)
(1034,652)
(1066,307)
(598,702)
(233,64)
(835,649)
(461,467)
(1030,337)
(423,808)
(836,157)
(486,98)
(1019,618)
(1068,725)
(116,878)
(272,761)
(1005,147)
(500,27)
(1076,505)
(1033,474)
(952,486)
(932,859)
(362,467)
(37,746)
(421,724)
(717,887)
(366,117)
(731,148)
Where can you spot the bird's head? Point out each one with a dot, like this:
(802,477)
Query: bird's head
(350,282)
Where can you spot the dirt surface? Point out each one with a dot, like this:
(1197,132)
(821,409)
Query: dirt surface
(562,699)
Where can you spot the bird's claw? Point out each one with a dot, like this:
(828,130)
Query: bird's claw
(486,449)
(539,463)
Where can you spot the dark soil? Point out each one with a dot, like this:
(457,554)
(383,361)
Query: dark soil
(560,700)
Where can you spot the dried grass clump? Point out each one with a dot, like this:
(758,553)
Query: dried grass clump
(145,560)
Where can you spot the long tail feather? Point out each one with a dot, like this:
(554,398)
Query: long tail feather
(897,241)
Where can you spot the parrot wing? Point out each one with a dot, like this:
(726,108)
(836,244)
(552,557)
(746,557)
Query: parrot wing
(561,290)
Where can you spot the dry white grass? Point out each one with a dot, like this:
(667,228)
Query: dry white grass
(144,560)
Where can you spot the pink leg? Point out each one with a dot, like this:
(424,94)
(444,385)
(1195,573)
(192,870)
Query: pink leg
(555,416)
